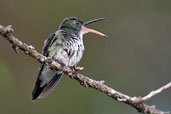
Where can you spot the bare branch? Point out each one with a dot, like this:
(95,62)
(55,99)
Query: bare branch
(153,93)
(136,102)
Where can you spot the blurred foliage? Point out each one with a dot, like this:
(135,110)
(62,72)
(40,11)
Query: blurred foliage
(135,60)
(4,75)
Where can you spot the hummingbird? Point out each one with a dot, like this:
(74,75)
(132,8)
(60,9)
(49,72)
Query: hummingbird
(65,46)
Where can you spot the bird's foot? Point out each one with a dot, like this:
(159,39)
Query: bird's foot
(75,68)
(78,68)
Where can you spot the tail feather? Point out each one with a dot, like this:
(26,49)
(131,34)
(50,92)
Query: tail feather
(40,92)
(50,86)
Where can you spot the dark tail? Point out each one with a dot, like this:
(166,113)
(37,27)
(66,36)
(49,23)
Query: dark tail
(40,92)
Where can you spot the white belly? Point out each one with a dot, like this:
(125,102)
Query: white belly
(76,52)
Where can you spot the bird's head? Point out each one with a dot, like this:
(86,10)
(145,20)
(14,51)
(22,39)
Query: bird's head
(72,24)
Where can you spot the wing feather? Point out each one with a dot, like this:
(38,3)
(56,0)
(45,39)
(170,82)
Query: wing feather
(47,88)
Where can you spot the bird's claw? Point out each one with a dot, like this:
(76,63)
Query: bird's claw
(78,68)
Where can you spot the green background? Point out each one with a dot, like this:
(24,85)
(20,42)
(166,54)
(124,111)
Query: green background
(135,60)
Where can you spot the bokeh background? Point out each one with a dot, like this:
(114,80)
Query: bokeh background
(135,60)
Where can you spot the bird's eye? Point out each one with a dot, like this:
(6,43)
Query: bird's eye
(77,22)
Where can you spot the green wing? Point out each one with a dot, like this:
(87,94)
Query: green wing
(47,88)
(47,43)
(54,41)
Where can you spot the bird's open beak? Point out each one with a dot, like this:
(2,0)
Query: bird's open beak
(91,30)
